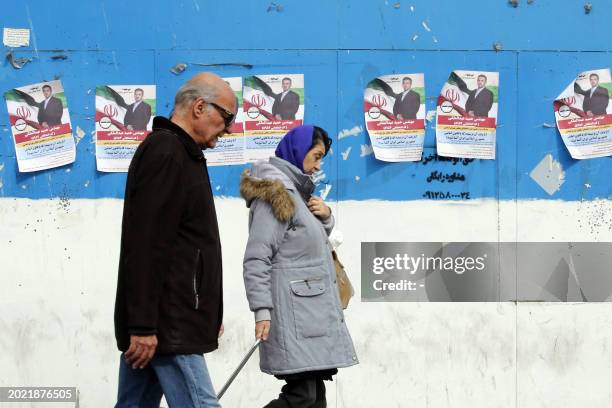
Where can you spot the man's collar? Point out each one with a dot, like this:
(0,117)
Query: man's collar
(160,122)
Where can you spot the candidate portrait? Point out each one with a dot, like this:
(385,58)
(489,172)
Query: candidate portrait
(408,102)
(596,98)
(137,114)
(286,103)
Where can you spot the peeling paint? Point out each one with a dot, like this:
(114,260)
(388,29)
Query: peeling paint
(414,37)
(588,8)
(412,8)
(548,125)
(275,7)
(345,154)
(16,63)
(425,26)
(326,191)
(79,134)
(430,115)
(178,68)
(86,184)
(350,132)
(357,178)
(1,166)
(548,174)
(366,150)
(397,5)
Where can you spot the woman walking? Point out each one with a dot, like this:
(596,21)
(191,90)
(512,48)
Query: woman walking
(289,272)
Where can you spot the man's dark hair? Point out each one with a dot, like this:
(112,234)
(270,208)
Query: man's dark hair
(594,75)
(482,76)
(139,89)
(47,86)
(407,79)
(320,136)
(286,79)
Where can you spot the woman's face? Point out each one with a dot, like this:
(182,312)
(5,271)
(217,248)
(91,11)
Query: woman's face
(312,161)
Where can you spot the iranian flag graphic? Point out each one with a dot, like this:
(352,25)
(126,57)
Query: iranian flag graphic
(257,99)
(110,108)
(379,99)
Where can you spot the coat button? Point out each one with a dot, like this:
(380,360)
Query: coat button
(354,358)
(342,319)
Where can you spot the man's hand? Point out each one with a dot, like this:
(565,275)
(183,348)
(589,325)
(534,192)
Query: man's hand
(45,125)
(221,331)
(470,113)
(262,328)
(130,127)
(317,206)
(589,113)
(278,117)
(141,351)
(400,117)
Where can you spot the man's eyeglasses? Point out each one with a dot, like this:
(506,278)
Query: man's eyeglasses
(228,117)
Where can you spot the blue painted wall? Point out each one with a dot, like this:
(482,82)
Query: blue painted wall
(339,46)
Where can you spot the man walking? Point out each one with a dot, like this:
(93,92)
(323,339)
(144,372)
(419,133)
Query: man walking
(169,303)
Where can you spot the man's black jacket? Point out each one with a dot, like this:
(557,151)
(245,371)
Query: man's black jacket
(170,278)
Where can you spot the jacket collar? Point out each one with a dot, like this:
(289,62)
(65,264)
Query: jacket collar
(160,122)
(302,182)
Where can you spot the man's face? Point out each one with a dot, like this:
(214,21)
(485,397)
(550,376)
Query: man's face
(46,92)
(406,84)
(286,85)
(481,81)
(138,96)
(594,81)
(210,125)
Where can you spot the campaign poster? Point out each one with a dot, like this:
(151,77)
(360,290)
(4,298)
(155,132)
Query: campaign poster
(124,118)
(394,109)
(40,123)
(273,105)
(466,119)
(230,148)
(583,115)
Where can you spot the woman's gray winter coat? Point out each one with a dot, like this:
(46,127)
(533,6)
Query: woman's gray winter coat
(289,273)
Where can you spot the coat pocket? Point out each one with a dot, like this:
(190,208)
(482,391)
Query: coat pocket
(309,307)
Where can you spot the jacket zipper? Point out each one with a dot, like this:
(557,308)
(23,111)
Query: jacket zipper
(195,284)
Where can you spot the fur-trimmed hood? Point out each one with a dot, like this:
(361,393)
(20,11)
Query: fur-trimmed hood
(272,181)
(266,182)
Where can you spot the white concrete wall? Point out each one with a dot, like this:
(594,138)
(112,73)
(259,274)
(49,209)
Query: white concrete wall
(57,290)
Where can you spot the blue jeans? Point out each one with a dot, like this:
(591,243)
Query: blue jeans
(182,378)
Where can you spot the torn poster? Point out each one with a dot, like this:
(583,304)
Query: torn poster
(273,104)
(124,118)
(16,37)
(230,149)
(41,127)
(394,109)
(583,115)
(466,119)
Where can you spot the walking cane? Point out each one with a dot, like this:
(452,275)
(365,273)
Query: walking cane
(237,370)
